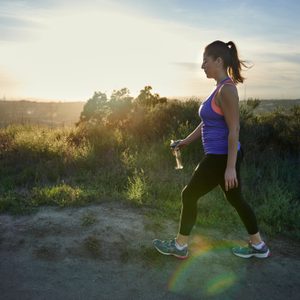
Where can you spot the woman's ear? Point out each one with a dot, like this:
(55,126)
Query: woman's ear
(219,61)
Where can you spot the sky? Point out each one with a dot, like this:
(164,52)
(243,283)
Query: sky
(66,50)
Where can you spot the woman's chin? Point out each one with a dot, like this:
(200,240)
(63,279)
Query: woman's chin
(207,75)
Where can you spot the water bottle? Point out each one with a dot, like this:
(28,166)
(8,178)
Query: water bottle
(177,154)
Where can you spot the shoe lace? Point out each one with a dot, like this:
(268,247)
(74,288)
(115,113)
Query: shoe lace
(168,242)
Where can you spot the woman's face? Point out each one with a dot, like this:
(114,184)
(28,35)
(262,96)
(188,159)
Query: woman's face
(209,65)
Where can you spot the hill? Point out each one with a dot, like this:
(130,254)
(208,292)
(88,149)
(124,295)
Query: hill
(52,114)
(271,105)
(56,114)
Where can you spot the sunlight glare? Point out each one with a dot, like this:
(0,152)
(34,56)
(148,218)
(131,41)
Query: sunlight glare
(83,51)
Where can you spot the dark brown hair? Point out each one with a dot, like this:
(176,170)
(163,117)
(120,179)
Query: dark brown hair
(229,54)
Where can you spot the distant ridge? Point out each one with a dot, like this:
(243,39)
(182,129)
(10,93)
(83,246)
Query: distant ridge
(271,105)
(52,114)
(60,113)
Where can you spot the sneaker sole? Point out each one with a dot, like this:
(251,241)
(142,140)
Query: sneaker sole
(176,255)
(257,255)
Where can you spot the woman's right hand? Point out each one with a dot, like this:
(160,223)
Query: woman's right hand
(180,144)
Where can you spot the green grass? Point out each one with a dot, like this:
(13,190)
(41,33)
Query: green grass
(78,166)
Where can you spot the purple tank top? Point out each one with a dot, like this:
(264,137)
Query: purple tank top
(214,129)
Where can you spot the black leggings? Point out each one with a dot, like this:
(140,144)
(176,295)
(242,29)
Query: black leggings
(207,175)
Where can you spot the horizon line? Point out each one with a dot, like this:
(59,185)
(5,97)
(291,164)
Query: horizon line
(181,98)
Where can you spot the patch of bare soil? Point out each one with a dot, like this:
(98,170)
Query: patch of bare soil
(105,252)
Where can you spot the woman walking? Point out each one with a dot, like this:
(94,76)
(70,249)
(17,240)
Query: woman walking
(219,130)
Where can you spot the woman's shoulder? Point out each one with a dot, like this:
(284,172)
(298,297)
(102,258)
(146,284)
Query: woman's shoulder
(227,93)
(228,90)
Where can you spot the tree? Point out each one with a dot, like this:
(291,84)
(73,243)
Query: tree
(94,107)
(120,95)
(120,107)
(146,98)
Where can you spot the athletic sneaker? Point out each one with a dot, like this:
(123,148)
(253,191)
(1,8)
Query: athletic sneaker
(169,248)
(249,251)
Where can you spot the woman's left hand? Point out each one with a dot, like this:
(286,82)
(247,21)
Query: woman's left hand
(230,179)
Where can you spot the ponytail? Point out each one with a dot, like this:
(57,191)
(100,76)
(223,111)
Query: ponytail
(229,54)
(235,68)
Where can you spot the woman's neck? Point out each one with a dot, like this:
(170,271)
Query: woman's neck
(221,77)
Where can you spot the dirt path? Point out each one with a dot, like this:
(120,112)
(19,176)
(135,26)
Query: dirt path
(105,252)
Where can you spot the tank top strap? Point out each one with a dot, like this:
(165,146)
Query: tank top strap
(227,80)
(217,109)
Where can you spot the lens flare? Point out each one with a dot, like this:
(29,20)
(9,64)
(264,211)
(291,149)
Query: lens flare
(204,272)
(220,283)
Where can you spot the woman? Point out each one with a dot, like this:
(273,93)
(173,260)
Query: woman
(219,130)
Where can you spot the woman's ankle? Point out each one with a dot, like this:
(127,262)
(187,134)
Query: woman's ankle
(255,238)
(182,240)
